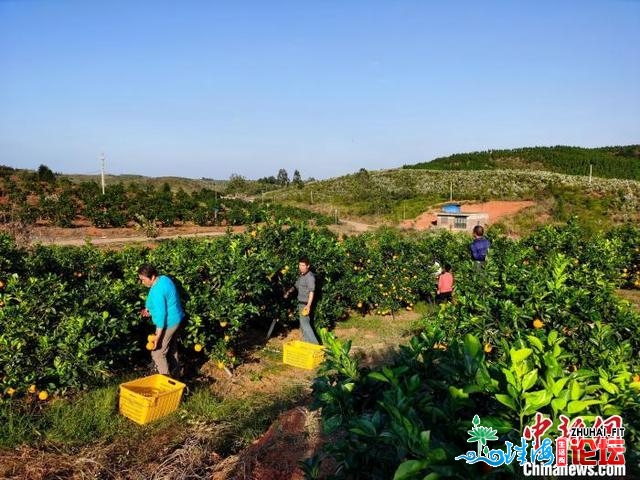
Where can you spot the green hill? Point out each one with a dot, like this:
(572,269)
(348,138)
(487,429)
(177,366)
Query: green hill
(394,195)
(607,162)
(382,187)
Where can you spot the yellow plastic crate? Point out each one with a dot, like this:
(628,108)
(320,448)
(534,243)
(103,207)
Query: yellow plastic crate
(302,354)
(150,398)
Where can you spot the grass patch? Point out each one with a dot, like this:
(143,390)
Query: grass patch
(70,421)
(269,353)
(412,207)
(422,308)
(17,424)
(385,327)
(80,420)
(377,323)
(274,366)
(201,404)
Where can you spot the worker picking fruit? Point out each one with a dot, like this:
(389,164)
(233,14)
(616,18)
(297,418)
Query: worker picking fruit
(164,309)
(306,286)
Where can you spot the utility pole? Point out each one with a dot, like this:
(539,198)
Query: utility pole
(102,171)
(451,190)
(590,172)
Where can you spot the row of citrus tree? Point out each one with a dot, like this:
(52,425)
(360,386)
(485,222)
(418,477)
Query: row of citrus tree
(62,203)
(70,315)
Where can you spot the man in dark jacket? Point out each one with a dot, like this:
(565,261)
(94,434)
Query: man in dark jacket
(479,246)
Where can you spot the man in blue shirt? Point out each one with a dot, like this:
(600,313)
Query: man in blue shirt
(479,246)
(164,307)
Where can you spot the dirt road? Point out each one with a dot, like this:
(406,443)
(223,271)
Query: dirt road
(119,236)
(117,240)
(80,235)
(357,227)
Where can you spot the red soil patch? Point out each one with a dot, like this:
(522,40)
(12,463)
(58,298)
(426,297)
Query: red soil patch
(496,209)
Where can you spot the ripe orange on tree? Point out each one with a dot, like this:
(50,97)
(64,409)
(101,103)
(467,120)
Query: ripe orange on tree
(151,345)
(43,395)
(197,347)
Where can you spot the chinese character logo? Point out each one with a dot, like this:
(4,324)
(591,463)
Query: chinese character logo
(579,450)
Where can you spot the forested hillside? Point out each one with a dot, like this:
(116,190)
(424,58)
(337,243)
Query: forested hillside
(607,162)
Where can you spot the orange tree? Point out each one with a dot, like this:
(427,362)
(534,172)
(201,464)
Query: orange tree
(66,323)
(386,272)
(628,239)
(56,297)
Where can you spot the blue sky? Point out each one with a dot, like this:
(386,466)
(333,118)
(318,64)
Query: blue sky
(211,88)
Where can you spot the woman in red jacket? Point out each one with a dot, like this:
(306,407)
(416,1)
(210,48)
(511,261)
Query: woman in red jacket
(445,285)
